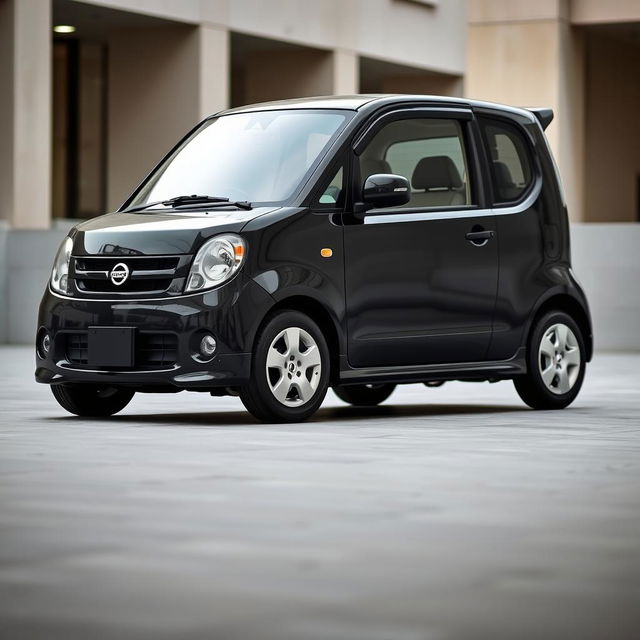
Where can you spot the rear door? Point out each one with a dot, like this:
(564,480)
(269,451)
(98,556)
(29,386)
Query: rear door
(421,280)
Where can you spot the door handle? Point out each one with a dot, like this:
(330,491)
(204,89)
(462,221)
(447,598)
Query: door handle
(479,236)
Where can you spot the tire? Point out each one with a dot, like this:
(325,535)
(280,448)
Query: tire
(289,371)
(556,363)
(364,395)
(91,401)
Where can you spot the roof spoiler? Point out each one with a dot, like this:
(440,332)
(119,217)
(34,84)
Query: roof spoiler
(545,116)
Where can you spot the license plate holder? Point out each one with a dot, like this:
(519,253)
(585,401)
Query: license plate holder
(111,346)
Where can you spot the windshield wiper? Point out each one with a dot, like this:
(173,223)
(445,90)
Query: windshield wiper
(193,199)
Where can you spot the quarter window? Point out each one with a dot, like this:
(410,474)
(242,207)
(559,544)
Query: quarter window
(429,153)
(511,173)
(332,197)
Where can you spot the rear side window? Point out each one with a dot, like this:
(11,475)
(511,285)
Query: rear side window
(509,160)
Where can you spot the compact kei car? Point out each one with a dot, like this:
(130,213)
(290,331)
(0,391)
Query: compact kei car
(357,242)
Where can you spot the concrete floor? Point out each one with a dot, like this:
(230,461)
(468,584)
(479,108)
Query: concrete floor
(451,513)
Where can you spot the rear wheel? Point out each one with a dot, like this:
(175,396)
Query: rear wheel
(364,395)
(89,400)
(556,363)
(290,370)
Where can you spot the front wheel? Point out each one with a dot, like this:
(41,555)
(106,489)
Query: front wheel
(364,395)
(555,361)
(290,370)
(91,400)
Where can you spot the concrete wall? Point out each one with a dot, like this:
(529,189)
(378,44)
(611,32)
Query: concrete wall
(28,256)
(4,297)
(605,259)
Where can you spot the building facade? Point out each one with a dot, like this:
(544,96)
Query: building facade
(95,92)
(582,58)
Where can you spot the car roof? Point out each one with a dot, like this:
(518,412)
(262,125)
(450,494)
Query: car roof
(373,100)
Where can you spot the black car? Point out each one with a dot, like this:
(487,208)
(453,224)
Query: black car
(356,242)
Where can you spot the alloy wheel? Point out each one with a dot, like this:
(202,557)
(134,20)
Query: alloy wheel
(559,359)
(293,367)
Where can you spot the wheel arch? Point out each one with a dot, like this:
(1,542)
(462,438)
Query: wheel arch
(573,307)
(320,315)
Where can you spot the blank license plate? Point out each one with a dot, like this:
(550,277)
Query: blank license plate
(111,346)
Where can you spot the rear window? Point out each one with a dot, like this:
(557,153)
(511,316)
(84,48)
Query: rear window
(510,164)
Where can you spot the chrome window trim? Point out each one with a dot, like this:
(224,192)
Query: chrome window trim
(443,214)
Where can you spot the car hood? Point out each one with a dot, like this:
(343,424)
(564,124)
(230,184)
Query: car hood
(157,233)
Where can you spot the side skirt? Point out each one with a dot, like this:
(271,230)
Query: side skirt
(487,370)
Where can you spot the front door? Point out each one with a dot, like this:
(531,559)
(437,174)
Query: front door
(421,280)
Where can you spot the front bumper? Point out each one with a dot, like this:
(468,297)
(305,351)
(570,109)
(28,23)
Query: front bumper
(231,313)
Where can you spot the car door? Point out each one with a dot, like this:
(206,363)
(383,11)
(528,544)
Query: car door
(421,280)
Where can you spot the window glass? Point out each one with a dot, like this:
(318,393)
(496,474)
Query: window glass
(510,167)
(332,196)
(259,156)
(429,153)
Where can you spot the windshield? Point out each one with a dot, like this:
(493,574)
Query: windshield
(259,157)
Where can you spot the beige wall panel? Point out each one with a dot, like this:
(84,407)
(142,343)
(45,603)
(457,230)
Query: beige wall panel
(570,118)
(514,63)
(426,84)
(536,63)
(154,100)
(280,75)
(612,131)
(302,21)
(413,34)
(182,10)
(395,30)
(514,10)
(595,11)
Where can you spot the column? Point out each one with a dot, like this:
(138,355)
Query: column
(25,113)
(346,72)
(214,64)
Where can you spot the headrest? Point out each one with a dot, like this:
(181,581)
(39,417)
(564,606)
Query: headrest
(503,175)
(436,172)
(370,166)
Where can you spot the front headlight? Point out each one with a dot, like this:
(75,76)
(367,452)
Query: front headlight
(60,271)
(217,261)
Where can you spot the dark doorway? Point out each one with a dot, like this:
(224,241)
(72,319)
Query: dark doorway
(79,128)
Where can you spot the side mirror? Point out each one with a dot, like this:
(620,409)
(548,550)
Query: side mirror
(383,190)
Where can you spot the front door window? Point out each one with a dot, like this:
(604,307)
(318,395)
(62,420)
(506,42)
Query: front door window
(429,153)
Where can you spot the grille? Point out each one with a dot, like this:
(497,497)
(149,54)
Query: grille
(158,349)
(152,350)
(151,274)
(77,348)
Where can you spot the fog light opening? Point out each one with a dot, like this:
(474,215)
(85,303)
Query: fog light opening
(43,344)
(207,347)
